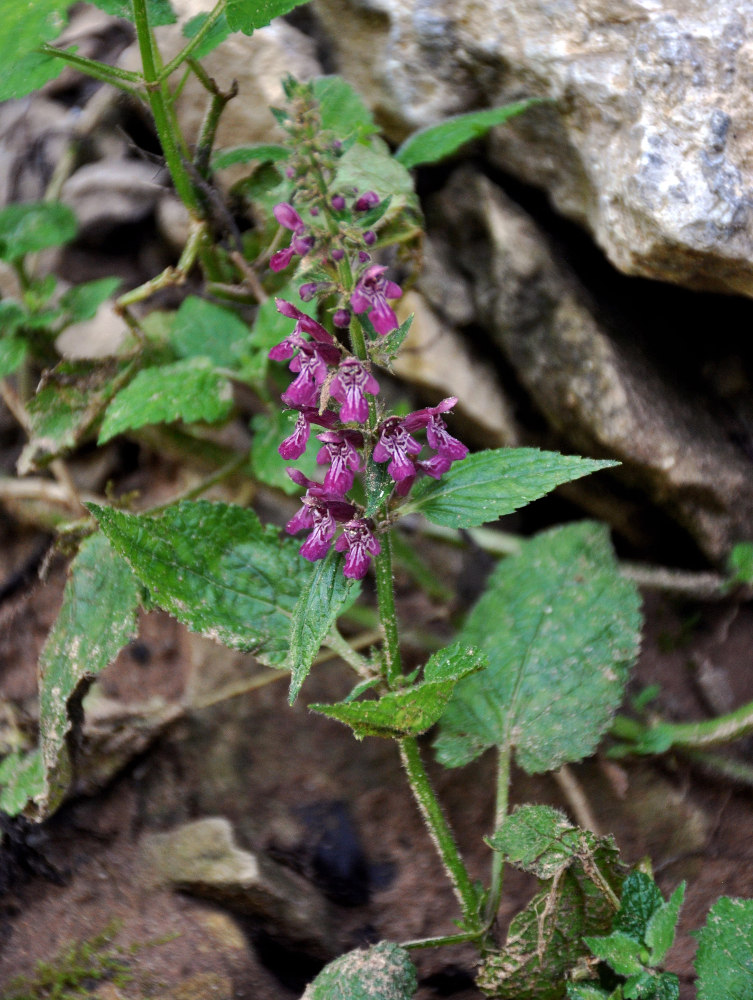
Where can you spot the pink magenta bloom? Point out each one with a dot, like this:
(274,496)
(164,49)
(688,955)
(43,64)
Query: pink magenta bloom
(295,445)
(359,542)
(348,388)
(319,511)
(397,445)
(341,450)
(300,242)
(436,430)
(370,295)
(312,371)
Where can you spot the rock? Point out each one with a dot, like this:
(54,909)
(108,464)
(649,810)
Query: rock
(111,193)
(594,387)
(203,859)
(646,139)
(99,337)
(435,357)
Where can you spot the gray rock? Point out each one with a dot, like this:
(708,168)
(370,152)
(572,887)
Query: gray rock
(595,389)
(647,139)
(203,859)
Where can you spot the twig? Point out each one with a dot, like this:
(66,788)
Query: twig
(576,797)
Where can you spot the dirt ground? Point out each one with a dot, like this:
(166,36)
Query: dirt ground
(298,787)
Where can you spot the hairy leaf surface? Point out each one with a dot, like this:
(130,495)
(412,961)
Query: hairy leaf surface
(217,569)
(724,960)
(33,226)
(542,840)
(561,629)
(489,484)
(203,329)
(248,15)
(382,972)
(25,27)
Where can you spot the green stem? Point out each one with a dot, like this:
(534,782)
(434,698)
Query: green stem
(685,735)
(439,942)
(500,812)
(387,612)
(124,79)
(159,102)
(439,830)
(340,645)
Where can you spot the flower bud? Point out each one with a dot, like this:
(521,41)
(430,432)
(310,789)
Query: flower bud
(369,237)
(338,202)
(366,201)
(341,318)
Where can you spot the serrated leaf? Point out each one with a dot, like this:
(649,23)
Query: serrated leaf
(260,152)
(385,349)
(97,618)
(489,484)
(622,952)
(641,899)
(22,782)
(545,941)
(435,142)
(160,12)
(541,840)
(325,596)
(414,710)
(724,960)
(248,15)
(189,390)
(217,569)
(13,352)
(652,986)
(660,932)
(382,972)
(370,167)
(82,301)
(214,37)
(343,110)
(32,226)
(586,991)
(267,465)
(203,329)
(561,629)
(25,27)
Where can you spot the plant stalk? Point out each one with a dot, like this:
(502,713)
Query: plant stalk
(500,812)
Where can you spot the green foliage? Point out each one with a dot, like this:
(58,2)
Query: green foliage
(382,972)
(203,329)
(267,464)
(342,109)
(189,390)
(412,711)
(22,782)
(561,629)
(217,569)
(97,618)
(740,563)
(259,152)
(33,226)
(25,27)
(324,597)
(13,353)
(489,484)
(542,841)
(82,301)
(724,960)
(160,12)
(248,15)
(436,142)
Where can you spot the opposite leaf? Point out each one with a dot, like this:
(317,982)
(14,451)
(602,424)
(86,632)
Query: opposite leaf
(724,960)
(97,618)
(561,629)
(489,484)
(382,972)
(325,596)
(217,569)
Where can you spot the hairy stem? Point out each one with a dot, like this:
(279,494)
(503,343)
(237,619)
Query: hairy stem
(500,812)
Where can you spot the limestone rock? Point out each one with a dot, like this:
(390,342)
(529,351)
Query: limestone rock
(594,387)
(202,858)
(647,139)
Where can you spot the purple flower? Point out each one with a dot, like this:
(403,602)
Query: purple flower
(295,445)
(341,450)
(323,531)
(348,388)
(396,444)
(300,242)
(319,511)
(325,343)
(312,371)
(367,200)
(436,430)
(371,293)
(359,542)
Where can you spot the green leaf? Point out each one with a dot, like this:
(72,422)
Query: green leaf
(660,932)
(267,465)
(97,618)
(160,12)
(33,226)
(342,109)
(489,484)
(25,27)
(413,711)
(622,952)
(541,840)
(384,350)
(22,782)
(724,960)
(215,568)
(740,563)
(260,152)
(382,972)
(189,390)
(325,596)
(203,329)
(13,351)
(586,991)
(370,167)
(379,486)
(434,143)
(82,301)
(545,941)
(248,15)
(641,899)
(214,37)
(561,629)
